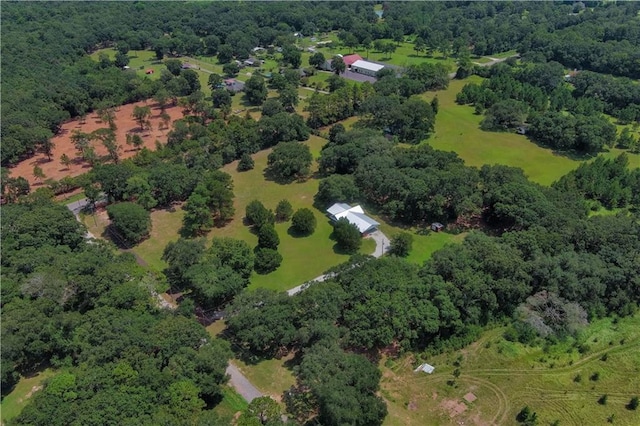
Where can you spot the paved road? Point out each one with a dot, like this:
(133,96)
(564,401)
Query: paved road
(241,384)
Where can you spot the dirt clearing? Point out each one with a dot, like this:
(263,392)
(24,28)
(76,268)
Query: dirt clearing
(125,123)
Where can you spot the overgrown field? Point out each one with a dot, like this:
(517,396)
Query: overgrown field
(557,382)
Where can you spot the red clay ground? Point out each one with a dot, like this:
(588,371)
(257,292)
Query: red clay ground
(125,123)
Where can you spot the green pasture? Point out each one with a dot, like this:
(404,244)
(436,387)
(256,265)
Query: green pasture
(272,377)
(556,382)
(13,403)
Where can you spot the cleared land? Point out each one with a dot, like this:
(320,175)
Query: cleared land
(506,376)
(63,144)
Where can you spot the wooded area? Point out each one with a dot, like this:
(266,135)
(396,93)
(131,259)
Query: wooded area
(540,259)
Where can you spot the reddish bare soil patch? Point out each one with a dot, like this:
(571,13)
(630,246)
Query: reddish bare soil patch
(453,407)
(125,123)
(470,397)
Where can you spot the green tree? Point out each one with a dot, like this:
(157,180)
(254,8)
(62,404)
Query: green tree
(141,114)
(267,260)
(261,411)
(347,236)
(197,218)
(303,222)
(317,60)
(337,65)
(231,69)
(221,98)
(284,211)
(215,81)
(292,56)
(401,244)
(633,403)
(289,160)
(258,215)
(245,163)
(256,90)
(336,188)
(174,66)
(65,161)
(38,173)
(131,221)
(268,237)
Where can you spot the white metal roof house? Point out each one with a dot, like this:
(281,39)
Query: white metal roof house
(365,67)
(355,215)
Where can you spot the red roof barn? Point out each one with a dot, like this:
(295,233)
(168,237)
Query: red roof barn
(350,59)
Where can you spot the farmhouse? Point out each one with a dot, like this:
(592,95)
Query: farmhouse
(234,85)
(355,215)
(365,67)
(251,62)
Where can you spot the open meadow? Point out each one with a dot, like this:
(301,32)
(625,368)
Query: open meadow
(497,378)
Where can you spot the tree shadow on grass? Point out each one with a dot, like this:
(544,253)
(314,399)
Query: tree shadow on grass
(280,180)
(292,232)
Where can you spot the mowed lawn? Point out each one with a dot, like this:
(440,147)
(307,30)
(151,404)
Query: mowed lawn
(13,403)
(457,129)
(557,384)
(304,258)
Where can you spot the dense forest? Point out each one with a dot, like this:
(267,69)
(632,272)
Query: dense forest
(534,258)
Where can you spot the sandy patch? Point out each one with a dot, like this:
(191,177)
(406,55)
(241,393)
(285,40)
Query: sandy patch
(453,407)
(125,123)
(413,405)
(33,390)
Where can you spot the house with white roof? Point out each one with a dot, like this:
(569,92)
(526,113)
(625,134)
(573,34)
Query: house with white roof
(355,215)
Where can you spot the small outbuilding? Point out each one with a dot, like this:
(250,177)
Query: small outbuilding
(437,226)
(149,71)
(425,367)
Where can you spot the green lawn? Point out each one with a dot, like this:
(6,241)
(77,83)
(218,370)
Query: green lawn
(13,403)
(506,376)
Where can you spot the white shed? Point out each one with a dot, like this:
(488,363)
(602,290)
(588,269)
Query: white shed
(366,67)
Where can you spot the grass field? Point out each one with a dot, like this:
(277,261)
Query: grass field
(232,402)
(506,376)
(13,403)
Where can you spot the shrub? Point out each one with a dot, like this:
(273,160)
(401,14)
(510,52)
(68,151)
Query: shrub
(595,377)
(603,400)
(633,403)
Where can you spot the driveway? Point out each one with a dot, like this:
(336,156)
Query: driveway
(382,243)
(241,384)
